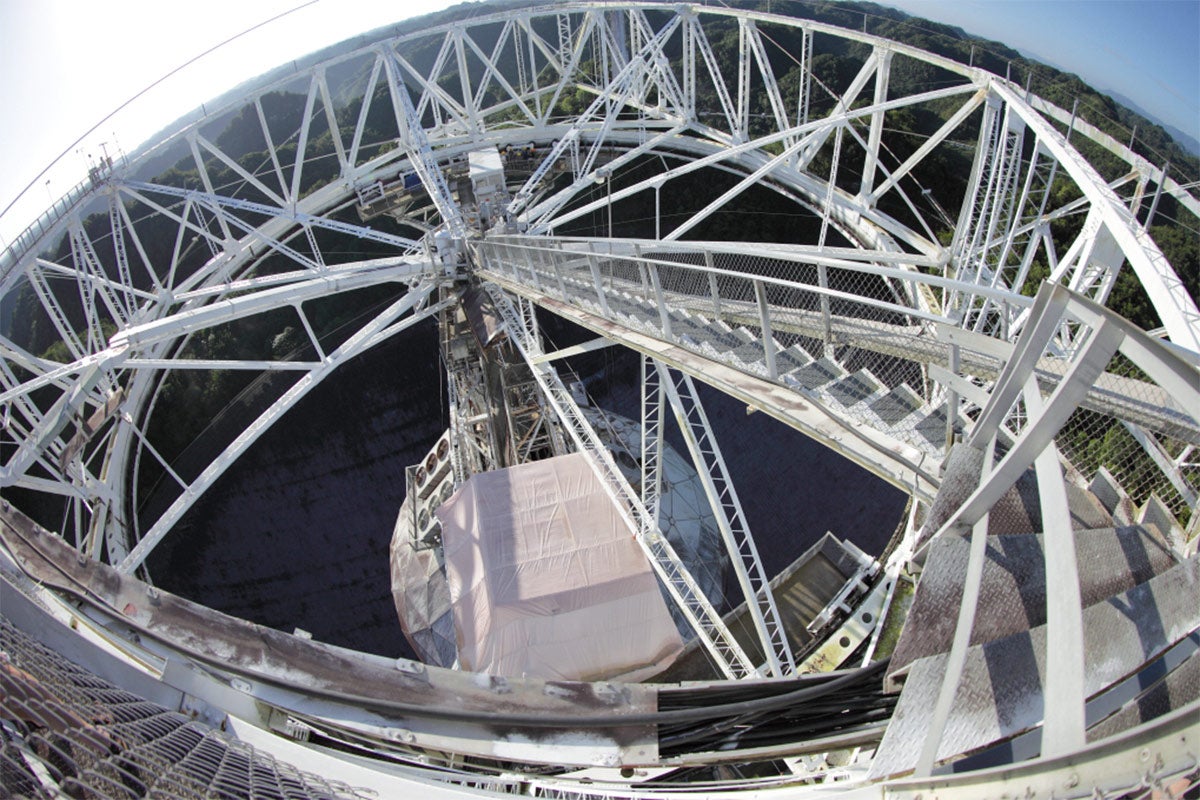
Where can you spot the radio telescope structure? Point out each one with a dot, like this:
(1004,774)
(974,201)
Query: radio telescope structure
(937,310)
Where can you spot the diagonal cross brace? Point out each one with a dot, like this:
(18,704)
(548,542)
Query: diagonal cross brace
(728,654)
(735,530)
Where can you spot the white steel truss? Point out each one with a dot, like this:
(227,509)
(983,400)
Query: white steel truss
(731,519)
(727,653)
(344,176)
(214,217)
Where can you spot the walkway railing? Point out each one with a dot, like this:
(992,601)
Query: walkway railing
(801,306)
(1017,429)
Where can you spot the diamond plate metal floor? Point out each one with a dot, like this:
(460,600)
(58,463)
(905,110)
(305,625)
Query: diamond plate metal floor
(1000,693)
(1013,587)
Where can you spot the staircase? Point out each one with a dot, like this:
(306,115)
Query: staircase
(1141,614)
(859,396)
(1125,641)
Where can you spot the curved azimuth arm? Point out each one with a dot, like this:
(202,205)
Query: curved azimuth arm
(217,202)
(655,86)
(802,143)
(1175,307)
(47,426)
(542,215)
(379,328)
(132,340)
(92,380)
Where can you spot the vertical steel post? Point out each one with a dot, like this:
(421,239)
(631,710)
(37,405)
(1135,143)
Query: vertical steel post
(1157,194)
(598,282)
(660,302)
(764,321)
(952,398)
(826,324)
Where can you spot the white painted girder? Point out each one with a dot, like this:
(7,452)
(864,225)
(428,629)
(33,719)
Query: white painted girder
(633,44)
(727,654)
(379,328)
(289,214)
(1176,308)
(244,305)
(731,519)
(1064,727)
(461,117)
(174,326)
(89,372)
(415,142)
(749,156)
(620,91)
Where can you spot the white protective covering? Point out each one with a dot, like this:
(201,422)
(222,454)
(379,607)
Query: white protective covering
(546,581)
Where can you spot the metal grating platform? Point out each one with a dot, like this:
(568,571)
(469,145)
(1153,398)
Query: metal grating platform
(1000,693)
(65,731)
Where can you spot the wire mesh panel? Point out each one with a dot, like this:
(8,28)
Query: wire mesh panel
(1143,463)
(850,337)
(65,731)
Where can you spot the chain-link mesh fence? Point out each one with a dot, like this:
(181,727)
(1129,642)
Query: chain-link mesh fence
(856,339)
(852,338)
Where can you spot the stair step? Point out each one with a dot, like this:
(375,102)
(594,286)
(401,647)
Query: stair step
(816,374)
(1000,694)
(682,321)
(1155,516)
(707,346)
(933,427)
(1163,684)
(1112,496)
(791,358)
(1013,586)
(896,405)
(688,325)
(854,389)
(720,341)
(1086,510)
(1178,687)
(743,334)
(722,325)
(1020,511)
(750,353)
(628,307)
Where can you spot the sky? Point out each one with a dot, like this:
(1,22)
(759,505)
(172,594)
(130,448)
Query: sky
(1146,50)
(65,64)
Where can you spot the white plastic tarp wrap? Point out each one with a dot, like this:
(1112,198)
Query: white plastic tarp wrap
(546,580)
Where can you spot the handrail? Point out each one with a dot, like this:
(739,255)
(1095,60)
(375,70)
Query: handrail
(37,230)
(1034,446)
(643,249)
(726,651)
(928,337)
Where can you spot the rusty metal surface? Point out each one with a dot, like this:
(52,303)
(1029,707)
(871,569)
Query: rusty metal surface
(488,716)
(68,732)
